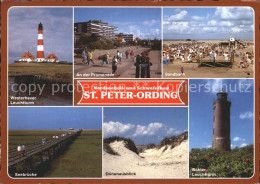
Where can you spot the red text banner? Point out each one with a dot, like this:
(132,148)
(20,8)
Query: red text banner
(131,92)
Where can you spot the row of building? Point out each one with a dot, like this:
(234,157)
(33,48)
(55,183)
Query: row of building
(101,29)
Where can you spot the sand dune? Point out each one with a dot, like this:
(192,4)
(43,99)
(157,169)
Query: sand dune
(154,163)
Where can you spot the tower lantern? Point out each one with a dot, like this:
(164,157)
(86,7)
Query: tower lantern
(221,122)
(40,48)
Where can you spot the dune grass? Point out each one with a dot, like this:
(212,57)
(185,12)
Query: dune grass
(83,158)
(128,144)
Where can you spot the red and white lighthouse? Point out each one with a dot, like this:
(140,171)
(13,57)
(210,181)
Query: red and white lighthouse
(40,48)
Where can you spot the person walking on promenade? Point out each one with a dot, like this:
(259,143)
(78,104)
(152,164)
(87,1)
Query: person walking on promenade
(106,59)
(182,70)
(143,66)
(85,56)
(114,66)
(90,57)
(132,54)
(126,54)
(147,61)
(137,66)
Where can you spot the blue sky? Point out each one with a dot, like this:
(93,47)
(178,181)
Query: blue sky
(201,111)
(55,117)
(57,33)
(145,125)
(208,23)
(142,22)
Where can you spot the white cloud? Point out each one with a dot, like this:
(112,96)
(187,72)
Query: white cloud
(246,22)
(243,145)
(150,33)
(236,139)
(236,29)
(151,129)
(150,22)
(112,128)
(197,18)
(226,23)
(228,13)
(220,24)
(246,115)
(179,16)
(178,27)
(116,128)
(252,27)
(212,23)
(173,131)
(209,29)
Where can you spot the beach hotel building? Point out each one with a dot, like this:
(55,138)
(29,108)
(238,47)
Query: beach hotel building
(95,27)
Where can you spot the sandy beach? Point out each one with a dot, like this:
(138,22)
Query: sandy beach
(193,70)
(154,163)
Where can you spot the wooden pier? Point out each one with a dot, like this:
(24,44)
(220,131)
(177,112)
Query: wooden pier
(47,151)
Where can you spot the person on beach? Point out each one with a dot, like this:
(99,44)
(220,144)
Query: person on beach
(114,66)
(189,58)
(212,56)
(225,56)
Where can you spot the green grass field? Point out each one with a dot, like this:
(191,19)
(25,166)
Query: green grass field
(58,72)
(83,157)
(19,137)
